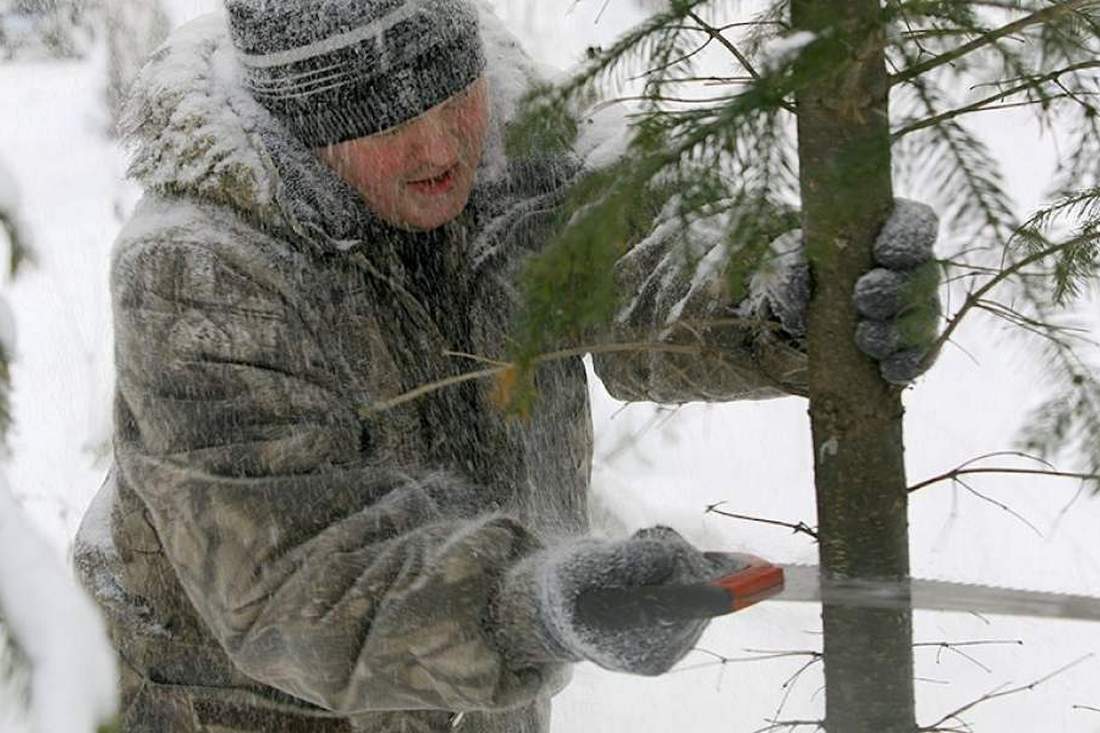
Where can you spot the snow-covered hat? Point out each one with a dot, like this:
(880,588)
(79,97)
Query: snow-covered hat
(336,70)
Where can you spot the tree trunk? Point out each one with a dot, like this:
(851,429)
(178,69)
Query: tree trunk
(844,154)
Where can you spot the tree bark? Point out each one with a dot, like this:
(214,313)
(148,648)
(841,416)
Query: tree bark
(856,418)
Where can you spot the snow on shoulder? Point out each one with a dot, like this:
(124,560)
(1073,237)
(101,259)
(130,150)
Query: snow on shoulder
(73,668)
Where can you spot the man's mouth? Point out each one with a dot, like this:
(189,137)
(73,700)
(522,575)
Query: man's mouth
(435,185)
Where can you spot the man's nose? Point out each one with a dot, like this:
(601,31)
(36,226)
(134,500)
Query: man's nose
(436,143)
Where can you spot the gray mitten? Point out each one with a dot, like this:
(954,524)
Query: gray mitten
(535,617)
(898,301)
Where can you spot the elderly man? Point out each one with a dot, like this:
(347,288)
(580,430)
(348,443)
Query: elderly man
(329,210)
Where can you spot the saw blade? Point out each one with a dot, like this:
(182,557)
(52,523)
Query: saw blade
(804,583)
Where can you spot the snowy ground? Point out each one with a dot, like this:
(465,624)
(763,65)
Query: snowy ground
(653,468)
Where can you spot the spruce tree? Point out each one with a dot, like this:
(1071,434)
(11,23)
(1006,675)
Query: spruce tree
(826,103)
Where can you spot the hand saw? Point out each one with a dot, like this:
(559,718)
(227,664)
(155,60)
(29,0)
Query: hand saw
(754,580)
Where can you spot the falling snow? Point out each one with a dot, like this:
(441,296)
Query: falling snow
(652,466)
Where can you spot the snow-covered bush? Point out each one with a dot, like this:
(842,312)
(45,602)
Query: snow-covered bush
(45,28)
(58,632)
(53,642)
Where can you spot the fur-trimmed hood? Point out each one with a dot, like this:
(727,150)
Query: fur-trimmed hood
(195,131)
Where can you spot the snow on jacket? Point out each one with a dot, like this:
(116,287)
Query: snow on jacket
(263,547)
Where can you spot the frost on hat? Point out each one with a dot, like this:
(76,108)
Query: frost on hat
(336,70)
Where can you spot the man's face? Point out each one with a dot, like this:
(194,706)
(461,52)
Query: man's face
(419,175)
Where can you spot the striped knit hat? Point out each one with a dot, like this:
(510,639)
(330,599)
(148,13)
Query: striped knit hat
(336,70)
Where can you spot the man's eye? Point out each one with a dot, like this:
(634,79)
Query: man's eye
(392,132)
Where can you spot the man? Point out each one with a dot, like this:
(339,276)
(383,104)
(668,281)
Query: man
(329,212)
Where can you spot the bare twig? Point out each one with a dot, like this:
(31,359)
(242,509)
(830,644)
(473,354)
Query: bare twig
(774,725)
(1000,505)
(1008,453)
(426,389)
(758,656)
(1086,707)
(797,528)
(999,693)
(931,681)
(662,414)
(789,684)
(1037,18)
(499,367)
(955,648)
(1069,505)
(477,358)
(965,469)
(954,475)
(503,367)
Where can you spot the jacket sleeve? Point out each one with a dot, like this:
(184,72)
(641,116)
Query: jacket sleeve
(675,295)
(348,584)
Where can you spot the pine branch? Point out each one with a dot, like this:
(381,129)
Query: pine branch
(719,36)
(629,44)
(984,104)
(975,298)
(1037,18)
(968,178)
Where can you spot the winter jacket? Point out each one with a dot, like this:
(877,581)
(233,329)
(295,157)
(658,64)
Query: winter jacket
(271,556)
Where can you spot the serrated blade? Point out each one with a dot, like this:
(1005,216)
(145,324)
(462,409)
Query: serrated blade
(804,583)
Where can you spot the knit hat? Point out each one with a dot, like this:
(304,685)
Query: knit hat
(336,70)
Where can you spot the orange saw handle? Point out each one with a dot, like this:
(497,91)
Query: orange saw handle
(754,580)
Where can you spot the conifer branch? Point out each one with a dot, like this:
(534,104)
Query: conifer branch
(975,298)
(716,34)
(983,105)
(1037,18)
(719,36)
